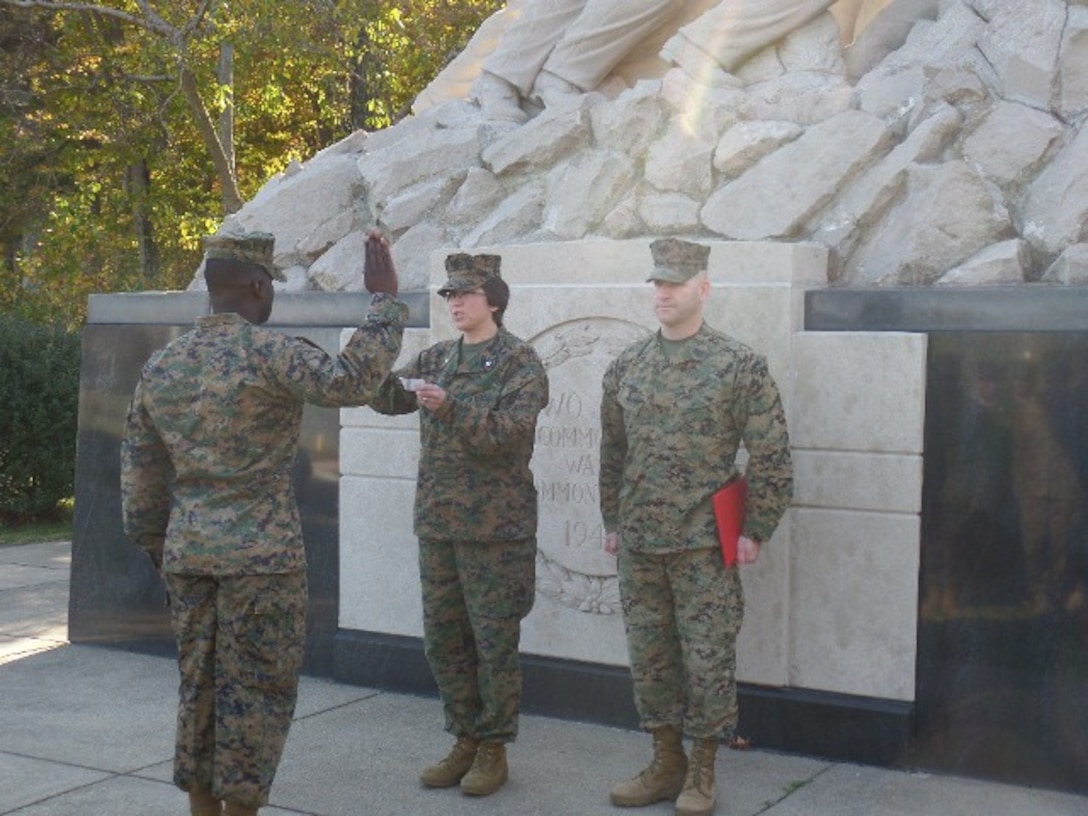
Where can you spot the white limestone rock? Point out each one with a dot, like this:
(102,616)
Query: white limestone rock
(869,196)
(583,192)
(788,187)
(1073,65)
(1070,268)
(305,210)
(352,144)
(515,219)
(1022,41)
(915,157)
(965,85)
(746,143)
(948,213)
(412,253)
(670,213)
(1011,142)
(413,205)
(886,33)
(815,46)
(419,128)
(709,108)
(897,84)
(624,221)
(479,193)
(1003,263)
(630,123)
(806,97)
(327,233)
(680,161)
(341,268)
(435,153)
(539,143)
(1055,210)
(298,280)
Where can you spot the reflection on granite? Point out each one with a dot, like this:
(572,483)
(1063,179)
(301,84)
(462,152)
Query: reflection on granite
(1003,631)
(116,597)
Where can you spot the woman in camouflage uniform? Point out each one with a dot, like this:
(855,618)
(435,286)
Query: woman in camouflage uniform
(475,516)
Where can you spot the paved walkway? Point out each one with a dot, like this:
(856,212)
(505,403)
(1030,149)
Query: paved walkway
(87,731)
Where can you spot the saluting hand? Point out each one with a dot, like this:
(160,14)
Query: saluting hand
(379,272)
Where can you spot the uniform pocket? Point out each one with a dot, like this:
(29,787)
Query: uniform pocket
(270,631)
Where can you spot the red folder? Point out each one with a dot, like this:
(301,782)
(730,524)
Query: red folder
(729,513)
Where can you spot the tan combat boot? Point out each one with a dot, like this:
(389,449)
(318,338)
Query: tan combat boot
(662,779)
(231,808)
(488,772)
(448,771)
(697,797)
(202,803)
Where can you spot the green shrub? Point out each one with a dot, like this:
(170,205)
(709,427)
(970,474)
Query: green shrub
(39,407)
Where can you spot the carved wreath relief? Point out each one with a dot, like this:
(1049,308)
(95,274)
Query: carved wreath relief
(572,565)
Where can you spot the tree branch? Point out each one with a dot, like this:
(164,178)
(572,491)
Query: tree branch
(151,21)
(232,199)
(94,8)
(196,20)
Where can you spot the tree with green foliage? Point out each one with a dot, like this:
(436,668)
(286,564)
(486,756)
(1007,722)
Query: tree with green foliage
(39,406)
(128,129)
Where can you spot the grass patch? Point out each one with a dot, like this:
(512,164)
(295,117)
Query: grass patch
(57,528)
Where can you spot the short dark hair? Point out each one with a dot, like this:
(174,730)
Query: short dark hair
(497,293)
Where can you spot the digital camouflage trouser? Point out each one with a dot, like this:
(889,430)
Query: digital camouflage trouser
(682,612)
(240,648)
(474,597)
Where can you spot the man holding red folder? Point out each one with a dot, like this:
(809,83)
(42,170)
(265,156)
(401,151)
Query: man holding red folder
(676,407)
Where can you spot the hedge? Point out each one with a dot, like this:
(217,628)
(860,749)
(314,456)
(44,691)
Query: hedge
(39,407)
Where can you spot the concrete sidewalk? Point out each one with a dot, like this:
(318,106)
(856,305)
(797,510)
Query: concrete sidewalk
(89,731)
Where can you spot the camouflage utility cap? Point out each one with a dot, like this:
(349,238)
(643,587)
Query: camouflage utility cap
(467,273)
(676,261)
(254,247)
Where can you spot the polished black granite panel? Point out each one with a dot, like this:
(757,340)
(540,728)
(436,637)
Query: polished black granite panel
(1002,663)
(1003,622)
(1033,307)
(116,598)
(290,308)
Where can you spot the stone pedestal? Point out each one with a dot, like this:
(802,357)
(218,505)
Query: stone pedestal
(885,617)
(830,606)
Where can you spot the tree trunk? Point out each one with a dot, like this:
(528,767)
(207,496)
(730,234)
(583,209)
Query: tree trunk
(226,118)
(224,169)
(138,181)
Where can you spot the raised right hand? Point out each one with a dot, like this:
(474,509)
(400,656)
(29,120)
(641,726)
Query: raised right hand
(379,273)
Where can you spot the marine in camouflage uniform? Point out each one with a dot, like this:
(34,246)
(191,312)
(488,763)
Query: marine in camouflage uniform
(207,455)
(674,413)
(475,515)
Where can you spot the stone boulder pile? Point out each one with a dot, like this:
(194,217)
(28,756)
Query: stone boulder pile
(960,157)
